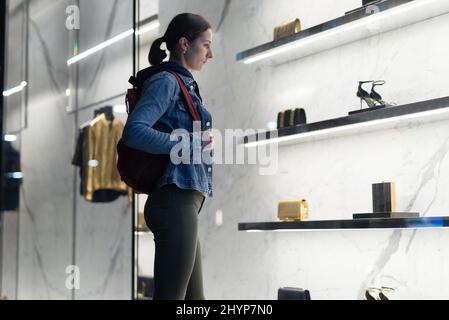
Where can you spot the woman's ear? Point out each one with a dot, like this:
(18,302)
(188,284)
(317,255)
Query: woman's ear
(183,44)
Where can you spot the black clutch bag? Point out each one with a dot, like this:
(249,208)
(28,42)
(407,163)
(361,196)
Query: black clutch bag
(288,293)
(291,118)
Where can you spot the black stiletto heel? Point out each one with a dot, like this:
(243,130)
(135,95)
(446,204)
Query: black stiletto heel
(373,99)
(382,295)
(369,296)
(365,96)
(375,95)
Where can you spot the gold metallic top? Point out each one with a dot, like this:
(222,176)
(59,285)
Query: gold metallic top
(100,157)
(287,28)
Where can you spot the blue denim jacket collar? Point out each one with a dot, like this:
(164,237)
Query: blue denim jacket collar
(177,68)
(185,74)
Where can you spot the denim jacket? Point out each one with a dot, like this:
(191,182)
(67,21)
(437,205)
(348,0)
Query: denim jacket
(162,109)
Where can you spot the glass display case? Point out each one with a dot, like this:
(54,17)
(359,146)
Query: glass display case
(69,62)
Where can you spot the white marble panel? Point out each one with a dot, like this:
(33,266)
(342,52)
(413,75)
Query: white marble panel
(103,241)
(334,175)
(10,235)
(101,244)
(105,73)
(46,198)
(103,249)
(148,8)
(14,65)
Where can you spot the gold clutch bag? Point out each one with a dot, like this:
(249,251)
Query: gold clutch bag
(286,29)
(293,210)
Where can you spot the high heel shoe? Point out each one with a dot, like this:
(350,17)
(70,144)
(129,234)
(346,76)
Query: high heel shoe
(375,95)
(365,96)
(377,293)
(382,295)
(372,294)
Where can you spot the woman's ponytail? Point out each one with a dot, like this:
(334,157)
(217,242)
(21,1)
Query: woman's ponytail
(157,55)
(187,25)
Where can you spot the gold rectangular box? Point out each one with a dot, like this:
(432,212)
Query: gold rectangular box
(293,210)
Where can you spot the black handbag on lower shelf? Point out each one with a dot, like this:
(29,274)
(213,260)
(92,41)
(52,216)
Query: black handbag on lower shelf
(289,293)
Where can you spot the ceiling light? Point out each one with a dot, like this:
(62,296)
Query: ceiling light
(11,91)
(14,175)
(100,46)
(10,137)
(119,109)
(146,28)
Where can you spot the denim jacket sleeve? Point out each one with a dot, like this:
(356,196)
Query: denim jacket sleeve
(157,96)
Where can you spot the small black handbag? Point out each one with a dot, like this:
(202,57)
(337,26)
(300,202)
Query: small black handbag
(289,293)
(291,118)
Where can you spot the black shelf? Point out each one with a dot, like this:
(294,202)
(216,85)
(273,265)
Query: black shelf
(328,25)
(357,118)
(399,223)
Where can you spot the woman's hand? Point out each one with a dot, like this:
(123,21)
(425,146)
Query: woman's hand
(208,138)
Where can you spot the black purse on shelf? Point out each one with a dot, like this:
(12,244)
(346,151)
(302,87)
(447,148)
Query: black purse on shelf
(291,118)
(289,293)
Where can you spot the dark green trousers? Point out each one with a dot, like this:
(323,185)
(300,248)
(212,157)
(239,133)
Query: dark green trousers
(171,214)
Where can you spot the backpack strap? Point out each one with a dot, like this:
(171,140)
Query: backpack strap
(192,109)
(133,80)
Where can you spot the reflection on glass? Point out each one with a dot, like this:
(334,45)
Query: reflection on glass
(12,178)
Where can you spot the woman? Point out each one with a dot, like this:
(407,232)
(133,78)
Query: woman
(171,211)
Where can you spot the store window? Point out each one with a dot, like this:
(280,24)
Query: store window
(68,64)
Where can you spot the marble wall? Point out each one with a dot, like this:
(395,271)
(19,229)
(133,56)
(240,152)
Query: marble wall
(46,206)
(103,250)
(334,175)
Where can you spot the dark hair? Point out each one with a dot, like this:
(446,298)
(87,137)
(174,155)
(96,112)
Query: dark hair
(187,25)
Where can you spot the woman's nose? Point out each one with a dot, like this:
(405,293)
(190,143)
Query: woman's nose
(210,54)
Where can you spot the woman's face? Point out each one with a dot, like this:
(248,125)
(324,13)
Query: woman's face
(199,51)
